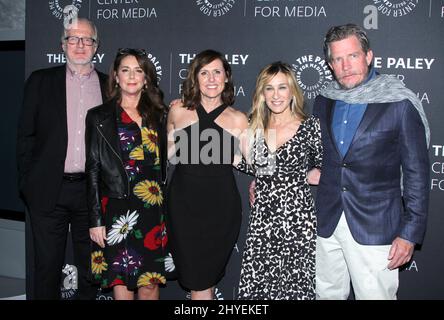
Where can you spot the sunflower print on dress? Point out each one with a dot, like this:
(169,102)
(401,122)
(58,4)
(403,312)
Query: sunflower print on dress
(149,192)
(98,263)
(149,144)
(149,278)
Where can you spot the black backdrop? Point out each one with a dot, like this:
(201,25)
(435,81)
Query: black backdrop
(406,39)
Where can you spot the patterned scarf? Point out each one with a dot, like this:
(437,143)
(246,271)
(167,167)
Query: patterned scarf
(380,89)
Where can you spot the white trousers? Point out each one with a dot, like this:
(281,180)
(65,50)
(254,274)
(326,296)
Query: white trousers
(340,259)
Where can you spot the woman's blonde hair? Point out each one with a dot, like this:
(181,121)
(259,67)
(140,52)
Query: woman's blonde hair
(260,113)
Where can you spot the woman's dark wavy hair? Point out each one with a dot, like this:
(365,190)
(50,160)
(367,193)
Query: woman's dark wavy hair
(191,95)
(151,106)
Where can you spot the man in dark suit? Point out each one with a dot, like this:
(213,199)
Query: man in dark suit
(372,199)
(51,159)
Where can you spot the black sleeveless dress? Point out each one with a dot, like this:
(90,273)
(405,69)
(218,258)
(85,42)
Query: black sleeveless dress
(204,206)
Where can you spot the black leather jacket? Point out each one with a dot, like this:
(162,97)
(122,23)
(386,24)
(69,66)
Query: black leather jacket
(104,167)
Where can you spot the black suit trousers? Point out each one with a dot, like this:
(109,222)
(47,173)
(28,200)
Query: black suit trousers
(50,231)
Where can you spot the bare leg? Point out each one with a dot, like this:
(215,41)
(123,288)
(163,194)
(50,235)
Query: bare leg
(150,292)
(206,294)
(122,293)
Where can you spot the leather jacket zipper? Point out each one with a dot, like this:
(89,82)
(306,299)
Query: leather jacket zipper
(121,161)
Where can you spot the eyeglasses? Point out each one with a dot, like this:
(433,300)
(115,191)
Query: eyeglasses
(73,40)
(131,51)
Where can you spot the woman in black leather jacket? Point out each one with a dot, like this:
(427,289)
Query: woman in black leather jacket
(126,170)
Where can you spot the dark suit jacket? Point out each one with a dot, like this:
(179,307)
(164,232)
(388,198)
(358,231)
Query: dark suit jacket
(365,184)
(43,136)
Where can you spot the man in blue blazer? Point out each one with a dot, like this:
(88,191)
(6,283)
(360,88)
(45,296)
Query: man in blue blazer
(372,199)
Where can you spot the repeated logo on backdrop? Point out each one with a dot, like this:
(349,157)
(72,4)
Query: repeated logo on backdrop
(234,59)
(215,8)
(157,65)
(70,280)
(64,8)
(397,8)
(437,167)
(122,10)
(58,58)
(288,9)
(312,74)
(402,66)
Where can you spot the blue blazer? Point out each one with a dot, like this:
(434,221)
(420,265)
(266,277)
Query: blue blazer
(365,183)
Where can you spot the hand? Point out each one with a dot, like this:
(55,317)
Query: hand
(313,176)
(251,190)
(98,235)
(175,102)
(400,253)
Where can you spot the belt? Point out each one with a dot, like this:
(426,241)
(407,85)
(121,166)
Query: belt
(76,176)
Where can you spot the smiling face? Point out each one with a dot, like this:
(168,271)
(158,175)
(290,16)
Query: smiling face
(277,94)
(349,62)
(212,79)
(79,54)
(130,76)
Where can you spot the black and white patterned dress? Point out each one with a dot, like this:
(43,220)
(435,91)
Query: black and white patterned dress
(279,255)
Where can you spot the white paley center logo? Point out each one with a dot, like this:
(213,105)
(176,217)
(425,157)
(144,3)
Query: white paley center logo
(312,74)
(70,282)
(67,9)
(215,8)
(396,8)
(156,64)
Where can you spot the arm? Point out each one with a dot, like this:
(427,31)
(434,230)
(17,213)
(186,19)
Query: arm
(26,127)
(241,125)
(172,114)
(251,192)
(242,159)
(243,166)
(313,176)
(175,103)
(415,169)
(315,154)
(92,169)
(163,145)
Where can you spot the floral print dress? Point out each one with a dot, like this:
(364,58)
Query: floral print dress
(135,251)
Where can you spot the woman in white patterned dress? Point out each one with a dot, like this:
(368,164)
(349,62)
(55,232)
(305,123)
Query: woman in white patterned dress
(279,255)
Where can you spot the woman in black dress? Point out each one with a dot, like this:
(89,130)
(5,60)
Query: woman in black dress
(204,207)
(126,160)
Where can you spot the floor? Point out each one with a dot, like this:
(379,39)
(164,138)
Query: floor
(12,289)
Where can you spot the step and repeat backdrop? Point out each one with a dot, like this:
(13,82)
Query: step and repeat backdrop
(406,37)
